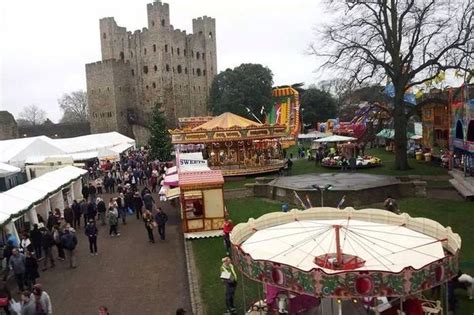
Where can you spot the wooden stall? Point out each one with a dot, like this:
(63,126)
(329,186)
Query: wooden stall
(202,200)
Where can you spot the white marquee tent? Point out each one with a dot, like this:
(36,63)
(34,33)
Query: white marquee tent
(16,151)
(25,198)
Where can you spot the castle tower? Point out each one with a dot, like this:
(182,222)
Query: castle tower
(155,65)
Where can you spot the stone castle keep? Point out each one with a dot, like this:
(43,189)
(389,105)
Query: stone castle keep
(157,65)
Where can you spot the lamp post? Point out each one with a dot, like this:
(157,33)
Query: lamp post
(322,189)
(302,121)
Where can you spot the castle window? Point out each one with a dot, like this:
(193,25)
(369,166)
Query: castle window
(152,23)
(203,55)
(172,50)
(133,72)
(200,32)
(173,69)
(198,71)
(197,55)
(104,36)
(192,53)
(210,34)
(154,47)
(155,68)
(166,48)
(184,52)
(186,70)
(199,88)
(147,87)
(168,68)
(203,72)
(145,69)
(154,85)
(179,69)
(163,22)
(194,88)
(108,89)
(131,54)
(193,71)
(122,56)
(177,51)
(120,88)
(144,51)
(100,90)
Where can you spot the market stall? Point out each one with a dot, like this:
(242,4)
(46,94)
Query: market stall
(202,200)
(344,256)
(235,145)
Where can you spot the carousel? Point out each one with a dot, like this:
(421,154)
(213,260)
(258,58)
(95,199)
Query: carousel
(233,144)
(306,259)
(343,148)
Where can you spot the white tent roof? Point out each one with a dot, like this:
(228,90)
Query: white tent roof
(24,197)
(16,151)
(95,142)
(384,247)
(6,169)
(313,135)
(336,138)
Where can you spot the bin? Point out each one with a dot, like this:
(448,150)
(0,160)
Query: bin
(419,156)
(427,157)
(284,207)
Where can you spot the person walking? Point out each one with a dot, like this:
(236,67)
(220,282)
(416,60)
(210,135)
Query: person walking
(137,204)
(31,270)
(57,241)
(148,219)
(92,193)
(112,217)
(76,210)
(91,233)
(148,200)
(69,215)
(85,192)
(17,264)
(229,277)
(226,229)
(5,297)
(52,220)
(161,218)
(101,209)
(25,243)
(69,243)
(42,301)
(36,238)
(91,211)
(122,210)
(84,205)
(47,242)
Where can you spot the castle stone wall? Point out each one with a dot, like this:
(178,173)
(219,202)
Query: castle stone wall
(8,126)
(160,64)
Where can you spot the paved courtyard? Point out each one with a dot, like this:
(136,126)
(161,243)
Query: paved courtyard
(129,276)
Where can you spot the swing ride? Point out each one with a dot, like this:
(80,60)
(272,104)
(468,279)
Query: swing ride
(326,253)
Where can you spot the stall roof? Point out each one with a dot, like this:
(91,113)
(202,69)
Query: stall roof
(336,138)
(226,121)
(313,135)
(200,178)
(14,202)
(95,142)
(16,151)
(6,169)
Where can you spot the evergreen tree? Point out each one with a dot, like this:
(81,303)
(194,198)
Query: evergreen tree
(160,139)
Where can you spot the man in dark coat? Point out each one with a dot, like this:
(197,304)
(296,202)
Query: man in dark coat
(68,215)
(85,192)
(92,193)
(161,218)
(84,205)
(47,243)
(91,211)
(101,208)
(137,204)
(36,236)
(52,220)
(76,210)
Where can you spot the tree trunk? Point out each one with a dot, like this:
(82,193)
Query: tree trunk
(400,125)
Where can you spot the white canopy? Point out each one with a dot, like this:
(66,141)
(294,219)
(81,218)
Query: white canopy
(6,169)
(23,197)
(384,247)
(16,151)
(416,137)
(313,135)
(336,138)
(96,142)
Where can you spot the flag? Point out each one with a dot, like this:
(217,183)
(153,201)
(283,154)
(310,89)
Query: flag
(339,205)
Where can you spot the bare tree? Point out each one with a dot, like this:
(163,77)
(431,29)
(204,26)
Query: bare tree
(408,42)
(32,115)
(74,106)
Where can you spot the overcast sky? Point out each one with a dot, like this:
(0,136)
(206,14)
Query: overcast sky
(47,43)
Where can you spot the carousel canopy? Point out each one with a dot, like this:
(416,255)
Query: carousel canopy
(227,121)
(336,138)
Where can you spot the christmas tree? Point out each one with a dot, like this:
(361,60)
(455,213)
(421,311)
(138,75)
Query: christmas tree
(160,140)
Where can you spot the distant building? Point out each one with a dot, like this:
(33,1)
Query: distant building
(157,65)
(10,176)
(52,130)
(8,126)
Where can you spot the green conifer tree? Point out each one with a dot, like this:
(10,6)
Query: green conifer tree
(160,139)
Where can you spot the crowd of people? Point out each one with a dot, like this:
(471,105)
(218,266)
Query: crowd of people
(128,183)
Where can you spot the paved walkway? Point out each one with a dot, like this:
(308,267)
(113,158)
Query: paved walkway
(129,276)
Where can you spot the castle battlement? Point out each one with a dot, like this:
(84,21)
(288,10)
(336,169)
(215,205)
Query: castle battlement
(154,64)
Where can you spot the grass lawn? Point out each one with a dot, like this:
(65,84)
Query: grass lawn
(303,166)
(208,252)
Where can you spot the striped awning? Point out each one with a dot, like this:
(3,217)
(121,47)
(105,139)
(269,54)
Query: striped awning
(192,194)
(173,193)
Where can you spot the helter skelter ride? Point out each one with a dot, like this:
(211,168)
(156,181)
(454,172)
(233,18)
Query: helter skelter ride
(345,254)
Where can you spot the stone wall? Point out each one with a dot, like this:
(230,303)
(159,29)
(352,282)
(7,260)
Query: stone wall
(8,126)
(161,65)
(66,130)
